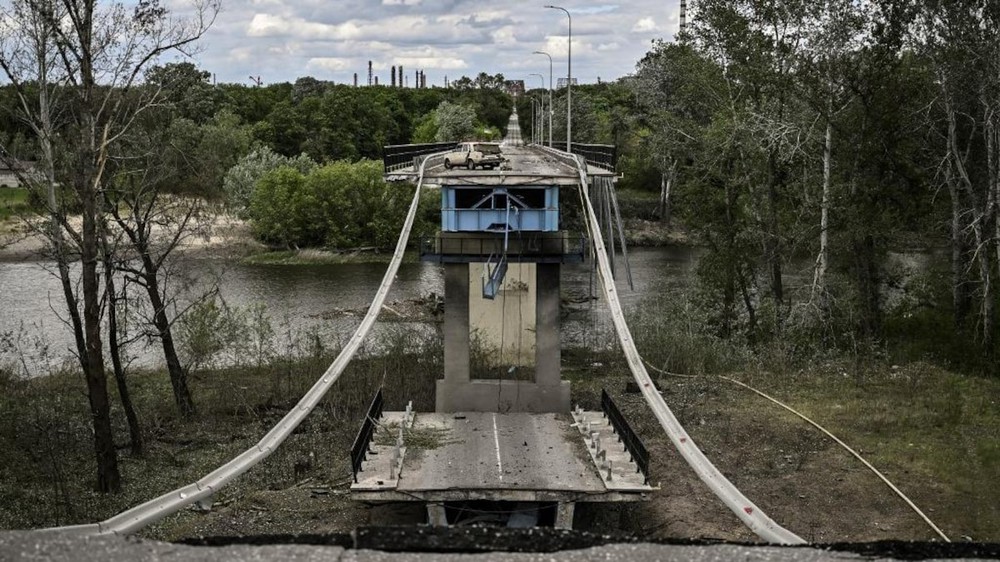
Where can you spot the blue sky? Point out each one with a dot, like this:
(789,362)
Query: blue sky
(281,40)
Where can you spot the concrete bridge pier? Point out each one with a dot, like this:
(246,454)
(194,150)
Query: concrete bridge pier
(532,325)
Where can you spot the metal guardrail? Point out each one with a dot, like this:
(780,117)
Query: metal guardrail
(634,445)
(359,451)
(398,156)
(599,155)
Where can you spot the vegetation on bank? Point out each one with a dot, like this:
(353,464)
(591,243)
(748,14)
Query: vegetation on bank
(934,432)
(13,202)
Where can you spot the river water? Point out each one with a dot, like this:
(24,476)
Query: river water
(305,297)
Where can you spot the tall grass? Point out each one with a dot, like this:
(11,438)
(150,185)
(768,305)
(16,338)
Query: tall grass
(45,440)
(13,202)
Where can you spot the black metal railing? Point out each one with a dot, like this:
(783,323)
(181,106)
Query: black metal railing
(634,446)
(397,156)
(359,451)
(526,244)
(599,155)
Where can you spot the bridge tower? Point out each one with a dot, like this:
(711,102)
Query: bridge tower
(502,247)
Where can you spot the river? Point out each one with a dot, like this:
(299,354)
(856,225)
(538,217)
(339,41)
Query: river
(304,297)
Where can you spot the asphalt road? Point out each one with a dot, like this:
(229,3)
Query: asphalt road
(18,546)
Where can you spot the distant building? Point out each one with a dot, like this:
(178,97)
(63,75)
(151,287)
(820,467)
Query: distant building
(561,83)
(11,172)
(515,87)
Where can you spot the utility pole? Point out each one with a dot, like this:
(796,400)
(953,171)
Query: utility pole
(569,80)
(551,85)
(541,111)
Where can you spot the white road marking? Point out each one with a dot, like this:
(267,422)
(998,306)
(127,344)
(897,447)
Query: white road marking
(496,442)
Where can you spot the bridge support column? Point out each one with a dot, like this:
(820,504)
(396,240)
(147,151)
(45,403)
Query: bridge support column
(547,352)
(564,515)
(547,392)
(456,323)
(436,515)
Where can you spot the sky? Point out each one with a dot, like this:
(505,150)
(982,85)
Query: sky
(281,40)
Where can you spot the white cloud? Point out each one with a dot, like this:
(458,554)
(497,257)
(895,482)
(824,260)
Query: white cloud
(330,63)
(283,39)
(504,36)
(645,25)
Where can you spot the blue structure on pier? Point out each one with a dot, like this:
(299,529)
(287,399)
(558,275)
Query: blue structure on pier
(499,209)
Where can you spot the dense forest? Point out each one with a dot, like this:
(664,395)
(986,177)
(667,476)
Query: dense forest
(826,133)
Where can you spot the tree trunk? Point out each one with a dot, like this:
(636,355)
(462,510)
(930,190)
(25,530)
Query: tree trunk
(960,296)
(178,376)
(992,133)
(819,292)
(666,183)
(867,275)
(108,476)
(134,430)
(772,240)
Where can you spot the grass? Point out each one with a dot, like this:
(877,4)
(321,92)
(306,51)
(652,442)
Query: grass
(13,202)
(933,432)
(423,438)
(45,433)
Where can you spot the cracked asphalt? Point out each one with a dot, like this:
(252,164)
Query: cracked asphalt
(24,546)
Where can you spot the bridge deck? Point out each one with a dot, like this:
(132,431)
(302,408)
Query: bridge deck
(512,457)
(527,165)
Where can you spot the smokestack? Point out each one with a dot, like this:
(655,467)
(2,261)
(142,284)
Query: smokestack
(369,73)
(423,79)
(683,14)
(394,76)
(355,79)
(376,80)
(400,76)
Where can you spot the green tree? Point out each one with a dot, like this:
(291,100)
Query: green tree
(454,122)
(240,180)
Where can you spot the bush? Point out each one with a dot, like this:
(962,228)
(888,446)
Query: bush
(340,205)
(241,179)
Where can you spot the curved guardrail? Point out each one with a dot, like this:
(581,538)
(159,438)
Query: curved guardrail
(748,512)
(138,517)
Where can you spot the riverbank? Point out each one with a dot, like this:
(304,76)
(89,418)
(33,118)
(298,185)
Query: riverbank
(221,236)
(933,432)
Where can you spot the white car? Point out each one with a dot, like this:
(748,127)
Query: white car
(475,154)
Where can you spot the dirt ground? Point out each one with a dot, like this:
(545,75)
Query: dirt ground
(226,237)
(799,477)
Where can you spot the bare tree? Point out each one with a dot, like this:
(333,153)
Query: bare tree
(961,41)
(114,298)
(94,57)
(155,225)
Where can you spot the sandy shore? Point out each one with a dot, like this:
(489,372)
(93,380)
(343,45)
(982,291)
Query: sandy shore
(224,237)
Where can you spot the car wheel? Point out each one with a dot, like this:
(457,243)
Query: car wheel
(447,164)
(470,165)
